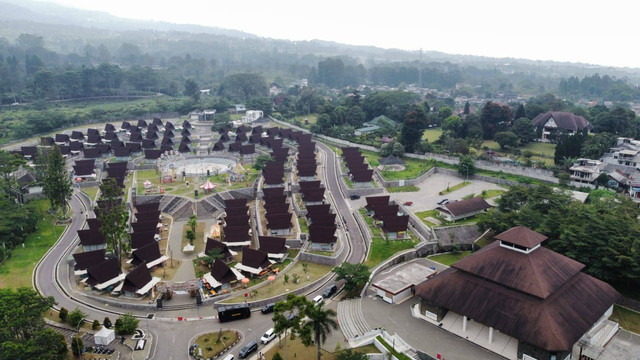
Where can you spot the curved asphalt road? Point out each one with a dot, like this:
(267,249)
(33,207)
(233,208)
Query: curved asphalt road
(171,337)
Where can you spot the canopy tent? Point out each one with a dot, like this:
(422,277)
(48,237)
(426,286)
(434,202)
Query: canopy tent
(104,336)
(208,185)
(147,184)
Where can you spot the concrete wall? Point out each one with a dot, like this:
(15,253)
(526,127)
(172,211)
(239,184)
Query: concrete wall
(407,182)
(319,259)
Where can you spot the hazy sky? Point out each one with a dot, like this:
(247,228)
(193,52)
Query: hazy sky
(603,32)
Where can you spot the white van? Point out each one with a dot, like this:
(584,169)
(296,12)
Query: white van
(229,357)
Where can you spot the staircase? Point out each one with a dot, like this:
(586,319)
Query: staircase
(183,210)
(351,319)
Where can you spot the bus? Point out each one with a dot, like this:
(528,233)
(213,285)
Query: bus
(233,312)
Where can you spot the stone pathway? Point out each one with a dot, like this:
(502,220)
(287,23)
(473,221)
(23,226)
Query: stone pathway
(351,319)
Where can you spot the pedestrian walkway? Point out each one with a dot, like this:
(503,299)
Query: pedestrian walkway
(351,320)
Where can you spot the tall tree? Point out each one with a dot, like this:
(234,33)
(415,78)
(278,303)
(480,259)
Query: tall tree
(520,112)
(192,89)
(495,117)
(466,166)
(506,139)
(318,326)
(597,145)
(467,108)
(355,276)
(21,312)
(57,183)
(287,315)
(524,130)
(113,215)
(415,123)
(8,164)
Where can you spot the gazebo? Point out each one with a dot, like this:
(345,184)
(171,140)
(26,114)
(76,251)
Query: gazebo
(208,186)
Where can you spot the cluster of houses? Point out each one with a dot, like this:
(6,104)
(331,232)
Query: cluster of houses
(104,274)
(359,171)
(388,216)
(121,143)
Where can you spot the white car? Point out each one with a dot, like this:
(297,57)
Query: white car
(268,336)
(317,299)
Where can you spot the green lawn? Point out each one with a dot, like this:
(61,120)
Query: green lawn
(541,151)
(432,134)
(413,167)
(303,225)
(382,249)
(429,213)
(198,243)
(448,259)
(454,187)
(16,271)
(179,186)
(627,318)
(91,191)
(488,194)
(408,188)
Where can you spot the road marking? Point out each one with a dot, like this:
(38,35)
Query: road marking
(174,339)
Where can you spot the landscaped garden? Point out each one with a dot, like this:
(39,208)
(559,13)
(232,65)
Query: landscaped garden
(214,343)
(296,349)
(188,186)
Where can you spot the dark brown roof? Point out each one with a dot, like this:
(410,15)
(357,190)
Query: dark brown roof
(323,219)
(165,148)
(462,207)
(166,141)
(142,238)
(373,201)
(121,152)
(224,138)
(280,154)
(169,125)
(564,120)
(255,258)
(318,209)
(125,125)
(152,154)
(219,146)
(213,244)
(141,226)
(62,138)
(257,130)
(276,208)
(94,223)
(137,137)
(309,184)
(235,147)
(65,149)
(148,215)
(381,211)
(82,170)
(234,211)
(236,233)
(395,223)
(248,149)
(186,124)
(47,141)
(539,273)
(133,147)
(275,199)
(273,191)
(313,195)
(184,148)
(273,131)
(103,271)
(142,124)
(236,220)
(29,150)
(241,129)
(91,153)
(278,221)
(137,279)
(86,162)
(522,236)
(90,237)
(273,177)
(322,234)
(88,258)
(362,176)
(272,244)
(230,203)
(148,144)
(148,207)
(222,273)
(93,139)
(75,146)
(553,323)
(185,138)
(168,133)
(146,254)
(77,135)
(241,137)
(307,170)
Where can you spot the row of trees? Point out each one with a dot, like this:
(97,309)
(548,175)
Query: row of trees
(604,233)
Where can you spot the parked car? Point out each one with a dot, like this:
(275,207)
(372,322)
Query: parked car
(330,291)
(317,299)
(443,201)
(408,203)
(354,197)
(248,349)
(291,316)
(267,308)
(268,336)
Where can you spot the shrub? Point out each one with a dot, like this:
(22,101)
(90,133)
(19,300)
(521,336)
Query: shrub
(276,356)
(76,345)
(107,322)
(76,317)
(126,324)
(63,314)
(95,325)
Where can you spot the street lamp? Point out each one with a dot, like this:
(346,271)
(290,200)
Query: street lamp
(78,335)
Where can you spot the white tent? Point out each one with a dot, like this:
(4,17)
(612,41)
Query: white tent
(104,336)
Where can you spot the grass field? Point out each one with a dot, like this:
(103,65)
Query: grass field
(408,188)
(413,167)
(179,186)
(488,194)
(541,151)
(278,286)
(454,188)
(16,271)
(627,318)
(297,350)
(211,346)
(449,259)
(382,249)
(303,225)
(428,213)
(91,191)
(432,134)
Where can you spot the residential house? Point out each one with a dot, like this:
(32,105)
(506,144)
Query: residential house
(275,247)
(149,255)
(254,262)
(222,276)
(86,259)
(92,240)
(458,210)
(554,122)
(105,275)
(322,238)
(138,282)
(395,227)
(213,245)
(585,171)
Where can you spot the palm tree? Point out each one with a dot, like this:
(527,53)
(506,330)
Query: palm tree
(321,322)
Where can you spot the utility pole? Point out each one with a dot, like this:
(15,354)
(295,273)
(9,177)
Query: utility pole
(420,73)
